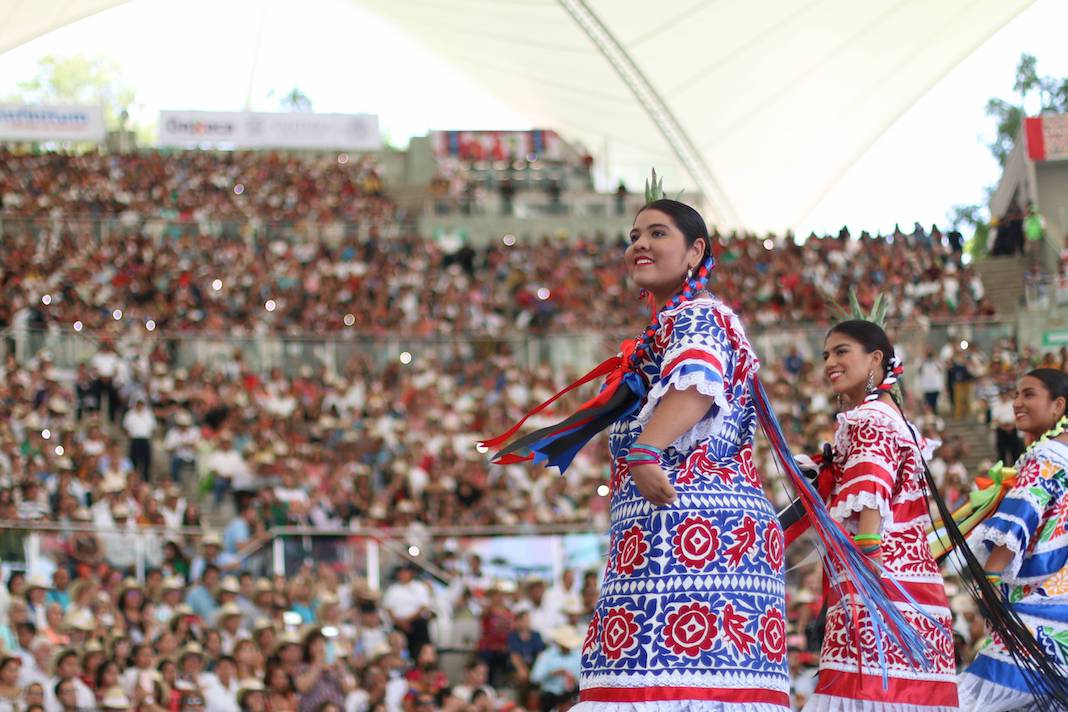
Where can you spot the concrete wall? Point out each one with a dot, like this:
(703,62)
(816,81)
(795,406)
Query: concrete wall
(1043,329)
(1052,179)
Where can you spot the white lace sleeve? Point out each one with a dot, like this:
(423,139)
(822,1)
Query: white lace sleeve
(695,355)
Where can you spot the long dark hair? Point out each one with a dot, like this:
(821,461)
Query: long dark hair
(693,228)
(686,219)
(1055,382)
(1044,678)
(869,335)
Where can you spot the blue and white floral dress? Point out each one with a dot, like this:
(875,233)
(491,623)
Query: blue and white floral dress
(691,614)
(1032,521)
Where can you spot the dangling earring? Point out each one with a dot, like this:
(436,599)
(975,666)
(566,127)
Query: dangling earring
(643,294)
(838,398)
(689,273)
(871,383)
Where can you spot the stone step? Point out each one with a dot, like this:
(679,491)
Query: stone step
(976,436)
(1003,281)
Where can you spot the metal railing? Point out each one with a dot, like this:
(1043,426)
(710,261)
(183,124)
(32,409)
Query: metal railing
(1046,291)
(509,552)
(563,351)
(248,229)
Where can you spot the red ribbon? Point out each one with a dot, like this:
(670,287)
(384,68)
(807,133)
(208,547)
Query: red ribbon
(614,368)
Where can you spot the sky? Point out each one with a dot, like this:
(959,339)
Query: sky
(206,56)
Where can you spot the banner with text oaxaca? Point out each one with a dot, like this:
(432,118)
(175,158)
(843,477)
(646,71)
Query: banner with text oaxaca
(247,129)
(39,122)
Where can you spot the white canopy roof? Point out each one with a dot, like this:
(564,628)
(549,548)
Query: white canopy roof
(762,106)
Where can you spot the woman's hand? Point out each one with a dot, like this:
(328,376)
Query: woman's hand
(653,484)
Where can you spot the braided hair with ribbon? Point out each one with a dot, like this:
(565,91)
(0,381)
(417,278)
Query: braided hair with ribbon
(894,370)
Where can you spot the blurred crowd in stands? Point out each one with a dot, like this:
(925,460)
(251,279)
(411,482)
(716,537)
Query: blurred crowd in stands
(192,185)
(162,482)
(129,442)
(232,284)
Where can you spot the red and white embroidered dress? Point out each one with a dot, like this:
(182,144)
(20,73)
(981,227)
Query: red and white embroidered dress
(877,464)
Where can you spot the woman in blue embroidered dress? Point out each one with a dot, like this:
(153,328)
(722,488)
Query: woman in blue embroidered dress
(1024,548)
(691,611)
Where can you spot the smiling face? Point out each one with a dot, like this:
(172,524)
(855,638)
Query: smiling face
(846,365)
(1035,409)
(658,256)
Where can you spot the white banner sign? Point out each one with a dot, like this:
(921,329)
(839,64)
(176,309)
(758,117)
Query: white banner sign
(354,132)
(38,122)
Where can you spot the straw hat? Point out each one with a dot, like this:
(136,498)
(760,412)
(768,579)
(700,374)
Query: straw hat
(230,610)
(211,539)
(566,636)
(230,584)
(247,687)
(574,608)
(80,620)
(287,638)
(364,592)
(262,624)
(91,646)
(191,649)
(113,484)
(173,583)
(38,581)
(115,699)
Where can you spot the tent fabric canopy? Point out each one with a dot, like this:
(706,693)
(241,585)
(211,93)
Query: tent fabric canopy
(773,102)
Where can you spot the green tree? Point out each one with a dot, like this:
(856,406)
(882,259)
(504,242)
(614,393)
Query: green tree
(1008,116)
(1026,76)
(81,80)
(296,100)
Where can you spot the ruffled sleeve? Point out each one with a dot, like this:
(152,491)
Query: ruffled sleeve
(867,462)
(1021,516)
(696,352)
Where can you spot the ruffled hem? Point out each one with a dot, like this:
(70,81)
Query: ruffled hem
(827,703)
(861,500)
(705,427)
(677,706)
(984,534)
(978,694)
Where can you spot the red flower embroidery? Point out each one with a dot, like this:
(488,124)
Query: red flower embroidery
(632,550)
(749,470)
(620,473)
(734,626)
(590,643)
(773,547)
(773,635)
(699,464)
(690,629)
(696,542)
(618,633)
(663,335)
(744,538)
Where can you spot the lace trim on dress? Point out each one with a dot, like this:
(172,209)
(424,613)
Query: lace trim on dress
(707,426)
(978,694)
(827,703)
(679,706)
(859,501)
